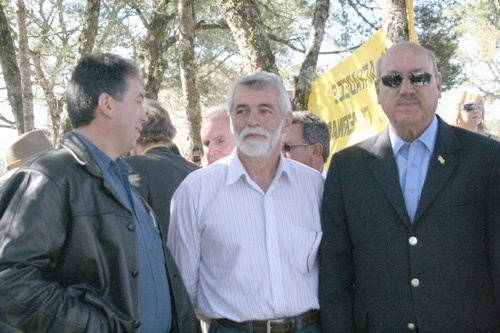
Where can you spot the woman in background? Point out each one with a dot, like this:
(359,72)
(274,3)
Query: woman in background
(470,113)
(195,154)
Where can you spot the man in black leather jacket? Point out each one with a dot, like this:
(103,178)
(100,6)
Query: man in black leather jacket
(79,249)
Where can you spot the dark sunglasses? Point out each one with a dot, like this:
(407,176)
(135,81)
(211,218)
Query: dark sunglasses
(473,107)
(196,159)
(418,79)
(286,147)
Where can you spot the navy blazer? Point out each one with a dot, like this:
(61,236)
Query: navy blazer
(381,273)
(156,175)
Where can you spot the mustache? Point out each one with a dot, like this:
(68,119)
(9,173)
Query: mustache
(254,130)
(406,99)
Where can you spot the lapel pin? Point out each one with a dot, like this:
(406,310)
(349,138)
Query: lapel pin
(441,159)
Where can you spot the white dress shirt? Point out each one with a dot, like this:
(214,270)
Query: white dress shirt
(324,173)
(245,254)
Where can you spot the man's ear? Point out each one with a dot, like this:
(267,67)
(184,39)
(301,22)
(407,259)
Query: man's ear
(318,149)
(287,122)
(439,84)
(106,104)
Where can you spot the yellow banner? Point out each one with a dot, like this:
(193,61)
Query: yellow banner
(346,99)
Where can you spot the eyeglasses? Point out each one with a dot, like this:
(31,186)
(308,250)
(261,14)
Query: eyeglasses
(286,147)
(418,79)
(196,158)
(473,107)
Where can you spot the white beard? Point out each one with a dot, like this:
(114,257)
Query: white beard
(257,148)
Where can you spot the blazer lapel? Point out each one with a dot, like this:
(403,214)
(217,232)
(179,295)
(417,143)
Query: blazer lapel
(442,164)
(385,171)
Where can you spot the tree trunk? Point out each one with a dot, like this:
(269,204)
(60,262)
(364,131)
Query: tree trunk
(11,73)
(188,69)
(245,22)
(25,67)
(60,121)
(155,47)
(55,104)
(87,37)
(307,73)
(396,23)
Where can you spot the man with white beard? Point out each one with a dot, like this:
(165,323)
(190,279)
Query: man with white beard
(245,231)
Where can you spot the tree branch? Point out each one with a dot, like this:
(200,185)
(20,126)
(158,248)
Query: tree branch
(10,123)
(203,25)
(355,8)
(138,10)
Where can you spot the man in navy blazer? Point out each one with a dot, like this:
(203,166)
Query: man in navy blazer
(411,217)
(156,170)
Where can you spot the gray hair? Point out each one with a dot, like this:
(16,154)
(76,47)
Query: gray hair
(260,80)
(218,111)
(314,130)
(159,126)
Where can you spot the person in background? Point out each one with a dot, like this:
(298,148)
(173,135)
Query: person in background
(156,170)
(470,113)
(24,148)
(195,155)
(411,229)
(158,128)
(245,231)
(307,141)
(216,136)
(79,250)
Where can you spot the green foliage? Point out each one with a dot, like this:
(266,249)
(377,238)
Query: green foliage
(435,24)
(491,12)
(218,58)
(217,61)
(479,46)
(55,25)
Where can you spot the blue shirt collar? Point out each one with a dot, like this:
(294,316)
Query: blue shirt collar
(428,138)
(102,160)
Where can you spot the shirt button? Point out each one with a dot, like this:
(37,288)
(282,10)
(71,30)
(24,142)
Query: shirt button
(413,241)
(134,273)
(412,190)
(413,165)
(137,324)
(415,282)
(411,326)
(131,227)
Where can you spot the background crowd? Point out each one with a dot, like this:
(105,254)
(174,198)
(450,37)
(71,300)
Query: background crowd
(114,231)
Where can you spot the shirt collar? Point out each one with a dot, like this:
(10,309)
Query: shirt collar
(152,147)
(324,172)
(236,170)
(428,138)
(102,160)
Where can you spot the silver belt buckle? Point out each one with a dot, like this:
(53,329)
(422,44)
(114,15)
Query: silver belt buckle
(269,322)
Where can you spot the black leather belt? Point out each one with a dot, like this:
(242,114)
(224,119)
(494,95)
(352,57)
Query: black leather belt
(285,325)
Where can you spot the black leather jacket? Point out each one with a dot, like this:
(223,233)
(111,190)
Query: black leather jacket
(68,252)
